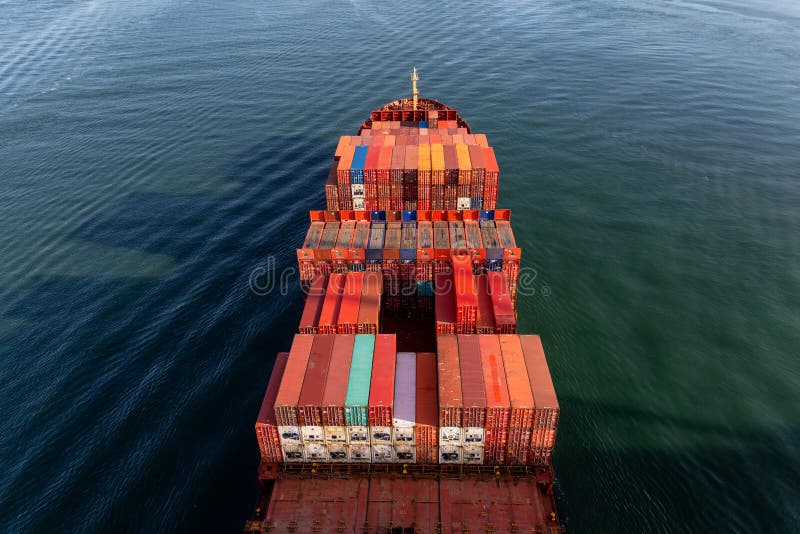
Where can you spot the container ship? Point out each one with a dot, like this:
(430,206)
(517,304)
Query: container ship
(408,401)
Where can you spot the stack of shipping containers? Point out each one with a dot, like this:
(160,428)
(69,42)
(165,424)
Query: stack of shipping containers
(411,214)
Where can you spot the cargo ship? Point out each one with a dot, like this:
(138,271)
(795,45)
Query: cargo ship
(408,401)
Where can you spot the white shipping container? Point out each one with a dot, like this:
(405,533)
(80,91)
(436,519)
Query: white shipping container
(337,452)
(335,434)
(290,435)
(405,454)
(405,398)
(312,434)
(381,435)
(293,453)
(358,434)
(463,203)
(473,454)
(450,454)
(449,435)
(382,454)
(359,204)
(316,452)
(359,453)
(473,435)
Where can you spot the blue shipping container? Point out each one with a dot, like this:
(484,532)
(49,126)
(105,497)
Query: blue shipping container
(357,167)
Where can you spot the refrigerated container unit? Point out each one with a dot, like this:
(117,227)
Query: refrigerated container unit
(381,398)
(473,398)
(309,404)
(450,399)
(405,399)
(334,396)
(286,400)
(357,398)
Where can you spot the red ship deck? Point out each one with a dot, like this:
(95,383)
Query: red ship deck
(419,502)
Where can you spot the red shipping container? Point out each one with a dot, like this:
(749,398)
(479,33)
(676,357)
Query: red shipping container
(491,178)
(266,424)
(473,392)
(381,389)
(370,307)
(344,141)
(445,303)
(547,410)
(371,165)
(309,404)
(336,385)
(343,168)
(329,315)
(449,376)
(465,294)
(450,169)
(332,190)
(484,323)
(521,396)
(427,411)
(504,316)
(313,306)
(478,171)
(351,299)
(498,404)
(292,382)
(384,174)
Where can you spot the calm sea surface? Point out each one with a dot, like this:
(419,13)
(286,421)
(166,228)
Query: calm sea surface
(154,152)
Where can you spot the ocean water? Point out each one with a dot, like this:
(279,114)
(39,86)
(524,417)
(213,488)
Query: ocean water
(154,153)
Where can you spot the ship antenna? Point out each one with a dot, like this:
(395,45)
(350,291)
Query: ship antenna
(414,91)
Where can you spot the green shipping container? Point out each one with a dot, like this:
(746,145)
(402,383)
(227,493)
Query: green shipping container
(355,405)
